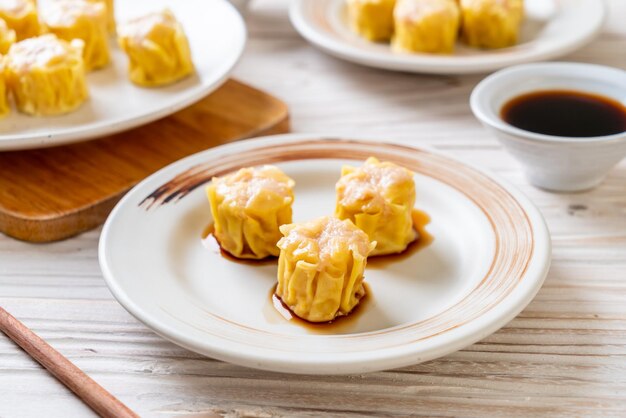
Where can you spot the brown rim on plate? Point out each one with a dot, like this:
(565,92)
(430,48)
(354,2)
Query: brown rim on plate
(512,229)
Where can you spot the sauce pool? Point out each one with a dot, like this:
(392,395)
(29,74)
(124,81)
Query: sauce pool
(339,325)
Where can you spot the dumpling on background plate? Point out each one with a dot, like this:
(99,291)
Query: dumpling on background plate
(372,19)
(426,26)
(21,16)
(157,49)
(491,23)
(110,11)
(7,37)
(79,19)
(5,109)
(46,75)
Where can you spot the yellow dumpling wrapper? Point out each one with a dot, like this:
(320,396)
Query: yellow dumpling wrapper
(78,19)
(46,75)
(7,37)
(248,207)
(110,11)
(491,23)
(379,198)
(372,19)
(4,99)
(21,16)
(320,267)
(428,26)
(157,49)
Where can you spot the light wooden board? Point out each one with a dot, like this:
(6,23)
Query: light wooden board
(564,355)
(51,194)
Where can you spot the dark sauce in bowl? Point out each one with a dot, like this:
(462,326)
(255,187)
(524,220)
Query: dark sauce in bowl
(566,113)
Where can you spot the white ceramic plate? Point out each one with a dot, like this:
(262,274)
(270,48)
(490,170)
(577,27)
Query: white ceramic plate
(552,28)
(489,256)
(216,35)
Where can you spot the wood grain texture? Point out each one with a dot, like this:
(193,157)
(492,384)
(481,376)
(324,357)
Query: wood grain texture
(54,193)
(564,355)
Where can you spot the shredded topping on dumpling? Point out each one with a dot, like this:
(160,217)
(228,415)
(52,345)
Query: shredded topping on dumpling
(42,51)
(245,187)
(15,7)
(145,26)
(321,239)
(414,10)
(66,12)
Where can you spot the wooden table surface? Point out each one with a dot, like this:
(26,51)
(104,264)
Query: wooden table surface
(564,355)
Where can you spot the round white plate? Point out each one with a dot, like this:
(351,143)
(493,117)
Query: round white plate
(216,36)
(552,28)
(489,256)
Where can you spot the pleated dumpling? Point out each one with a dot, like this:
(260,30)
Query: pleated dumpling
(21,16)
(379,197)
(426,26)
(79,19)
(157,49)
(248,207)
(320,267)
(7,37)
(491,23)
(46,75)
(372,19)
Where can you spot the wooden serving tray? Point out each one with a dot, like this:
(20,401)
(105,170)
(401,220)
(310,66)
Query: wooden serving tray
(54,193)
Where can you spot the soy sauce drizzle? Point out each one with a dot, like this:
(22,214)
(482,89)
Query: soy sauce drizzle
(339,325)
(210,241)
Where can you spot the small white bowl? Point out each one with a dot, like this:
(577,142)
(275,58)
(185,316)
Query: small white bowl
(552,162)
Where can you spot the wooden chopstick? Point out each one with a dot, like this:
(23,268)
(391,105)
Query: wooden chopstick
(94,395)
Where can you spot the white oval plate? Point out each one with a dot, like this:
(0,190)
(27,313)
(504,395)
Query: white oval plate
(552,28)
(216,36)
(489,256)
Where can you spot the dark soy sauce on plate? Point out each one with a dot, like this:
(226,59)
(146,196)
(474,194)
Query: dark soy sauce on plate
(209,240)
(566,113)
(339,325)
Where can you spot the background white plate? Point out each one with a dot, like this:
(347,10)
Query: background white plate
(217,37)
(552,28)
(489,257)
